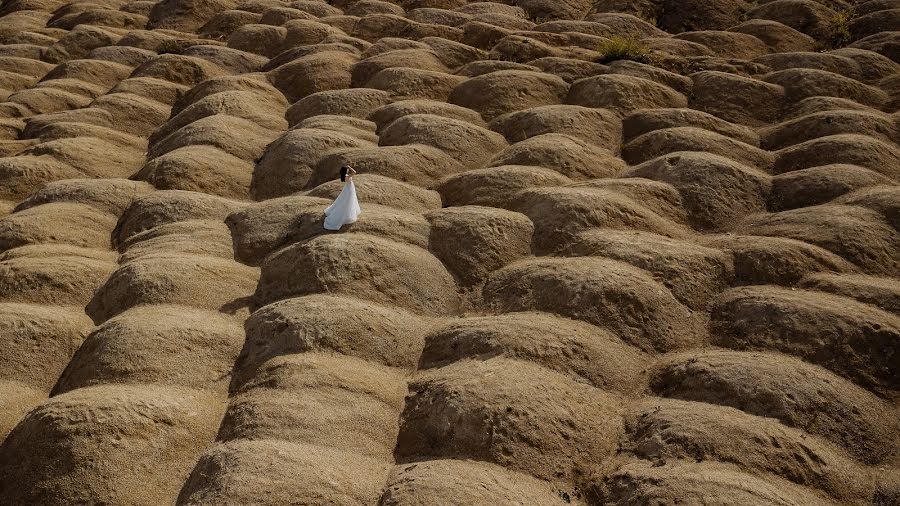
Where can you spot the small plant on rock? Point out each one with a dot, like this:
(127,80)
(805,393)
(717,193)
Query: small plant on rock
(621,48)
(839,34)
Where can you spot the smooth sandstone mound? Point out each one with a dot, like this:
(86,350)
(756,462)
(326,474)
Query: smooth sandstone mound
(286,165)
(501,92)
(693,273)
(859,235)
(802,323)
(570,347)
(387,114)
(57,223)
(509,413)
(59,330)
(820,185)
(61,278)
(162,207)
(568,155)
(788,389)
(670,140)
(623,94)
(595,126)
(642,122)
(236,471)
(826,123)
(716,191)
(560,214)
(877,291)
(384,191)
(666,429)
(645,482)
(172,278)
(407,276)
(404,83)
(623,299)
(157,344)
(83,446)
(199,168)
(334,401)
(372,332)
(474,241)
(470,144)
(451,481)
(761,260)
(496,186)
(853,149)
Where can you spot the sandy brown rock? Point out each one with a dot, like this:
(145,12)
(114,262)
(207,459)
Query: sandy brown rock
(502,237)
(57,223)
(387,114)
(452,481)
(644,482)
(561,280)
(109,195)
(573,348)
(163,207)
(338,402)
(324,71)
(199,168)
(877,291)
(568,155)
(716,191)
(776,260)
(507,412)
(853,149)
(16,401)
(383,191)
(60,330)
(191,237)
(670,140)
(80,446)
(623,94)
(666,429)
(404,83)
(496,186)
(355,102)
(857,234)
(595,126)
(827,123)
(157,344)
(236,471)
(501,92)
(415,164)
(287,164)
(175,279)
(779,37)
(62,280)
(643,122)
(411,279)
(379,334)
(693,273)
(737,99)
(767,318)
(795,392)
(819,185)
(469,144)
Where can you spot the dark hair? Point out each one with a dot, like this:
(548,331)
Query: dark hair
(344,172)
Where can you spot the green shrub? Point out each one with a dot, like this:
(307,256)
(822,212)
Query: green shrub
(620,48)
(839,35)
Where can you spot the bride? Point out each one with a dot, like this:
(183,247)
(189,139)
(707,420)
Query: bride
(345,209)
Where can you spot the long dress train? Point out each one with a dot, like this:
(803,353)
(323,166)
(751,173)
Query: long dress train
(345,208)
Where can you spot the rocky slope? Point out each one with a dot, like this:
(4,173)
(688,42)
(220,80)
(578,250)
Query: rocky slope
(614,252)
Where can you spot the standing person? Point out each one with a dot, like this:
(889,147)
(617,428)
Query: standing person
(345,209)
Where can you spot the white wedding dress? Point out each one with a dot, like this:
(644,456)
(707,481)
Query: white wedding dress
(344,210)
